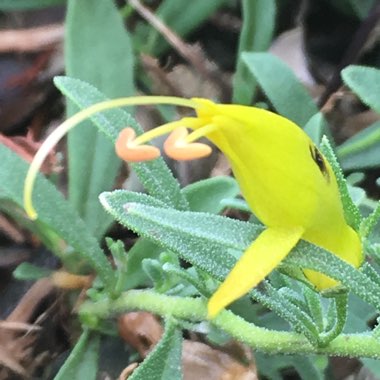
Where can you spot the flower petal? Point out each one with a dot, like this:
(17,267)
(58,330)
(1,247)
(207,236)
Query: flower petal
(261,257)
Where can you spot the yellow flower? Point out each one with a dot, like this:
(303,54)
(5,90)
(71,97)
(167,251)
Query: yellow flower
(286,181)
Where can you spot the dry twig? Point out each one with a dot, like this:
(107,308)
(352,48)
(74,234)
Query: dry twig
(190,53)
(31,40)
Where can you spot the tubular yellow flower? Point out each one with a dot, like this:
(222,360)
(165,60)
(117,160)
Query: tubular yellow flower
(286,181)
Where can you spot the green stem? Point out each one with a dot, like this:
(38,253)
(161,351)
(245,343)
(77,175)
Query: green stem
(191,309)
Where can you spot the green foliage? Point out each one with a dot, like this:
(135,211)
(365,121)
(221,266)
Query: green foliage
(204,240)
(164,362)
(212,242)
(57,220)
(103,57)
(208,195)
(316,127)
(26,271)
(271,366)
(351,211)
(281,87)
(256,35)
(361,151)
(181,225)
(83,360)
(364,82)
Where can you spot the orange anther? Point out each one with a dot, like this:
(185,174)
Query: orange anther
(178,148)
(127,150)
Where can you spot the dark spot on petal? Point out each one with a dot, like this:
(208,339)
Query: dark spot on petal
(320,161)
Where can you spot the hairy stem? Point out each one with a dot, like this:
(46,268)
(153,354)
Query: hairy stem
(353,345)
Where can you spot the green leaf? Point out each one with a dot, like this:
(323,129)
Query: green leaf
(336,318)
(83,360)
(207,241)
(116,247)
(97,50)
(272,366)
(181,16)
(281,87)
(362,150)
(373,366)
(237,204)
(282,302)
(351,211)
(141,250)
(370,222)
(315,307)
(27,271)
(364,82)
(164,362)
(359,315)
(53,211)
(154,175)
(10,5)
(207,195)
(309,256)
(213,243)
(316,127)
(256,35)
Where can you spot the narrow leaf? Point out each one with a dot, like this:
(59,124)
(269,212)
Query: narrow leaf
(102,56)
(53,211)
(312,257)
(27,271)
(207,195)
(256,35)
(351,211)
(83,360)
(213,243)
(369,223)
(164,362)
(281,87)
(364,81)
(205,240)
(362,150)
(316,127)
(292,313)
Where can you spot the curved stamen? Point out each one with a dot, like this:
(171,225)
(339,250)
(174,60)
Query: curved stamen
(132,149)
(127,149)
(177,147)
(73,121)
